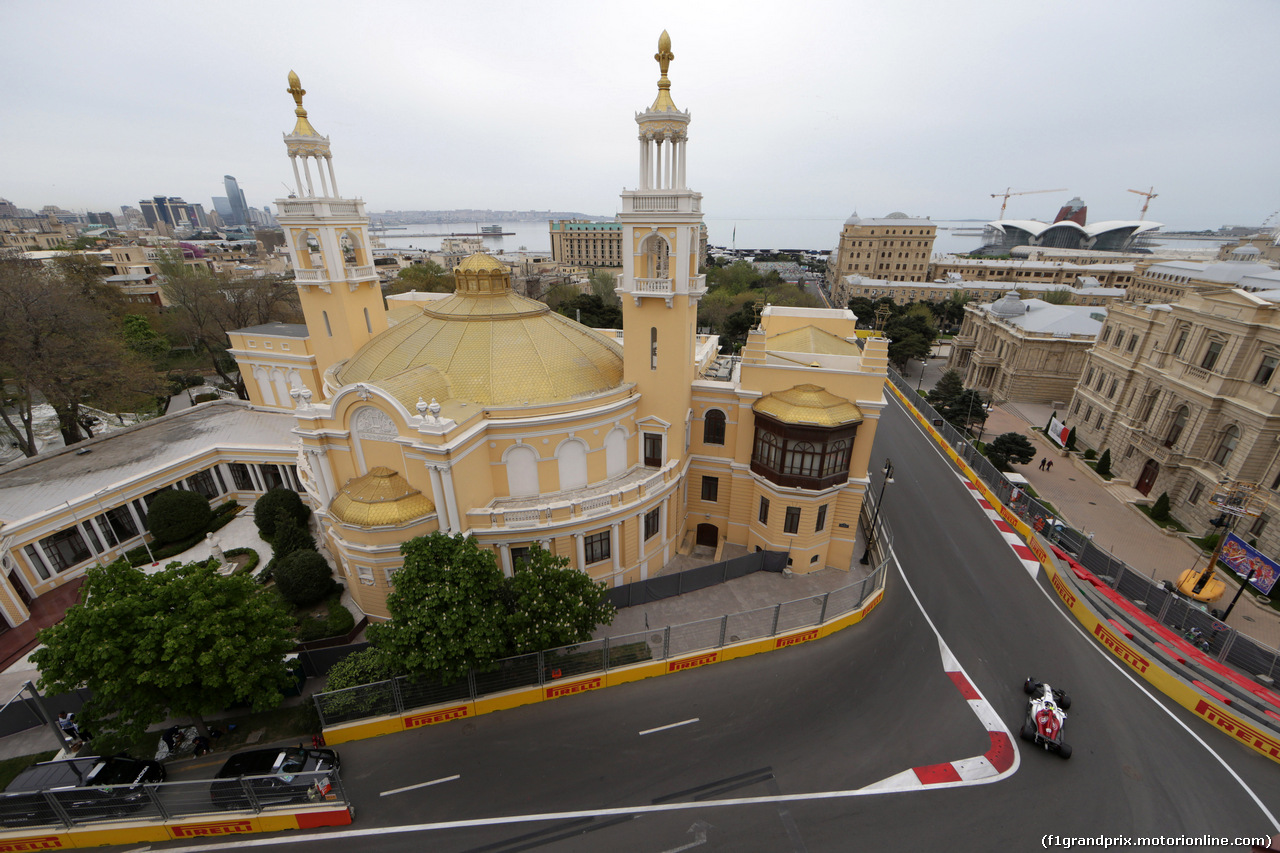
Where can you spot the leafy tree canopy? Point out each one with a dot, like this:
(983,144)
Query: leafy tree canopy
(1010,447)
(595,311)
(183,642)
(552,605)
(965,410)
(428,276)
(949,386)
(1058,296)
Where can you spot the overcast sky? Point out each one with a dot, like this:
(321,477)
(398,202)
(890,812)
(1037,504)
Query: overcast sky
(800,109)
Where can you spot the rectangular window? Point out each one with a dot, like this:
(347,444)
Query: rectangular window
(1119,339)
(653,450)
(202,484)
(1266,370)
(764,510)
(1100,416)
(1088,413)
(596,547)
(1106,334)
(710,489)
(1211,355)
(1259,524)
(822,519)
(652,519)
(791,523)
(65,548)
(1182,342)
(1196,490)
(1111,392)
(120,520)
(37,563)
(1133,342)
(240,476)
(519,556)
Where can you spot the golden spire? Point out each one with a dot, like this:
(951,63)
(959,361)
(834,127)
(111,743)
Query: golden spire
(663,103)
(303,127)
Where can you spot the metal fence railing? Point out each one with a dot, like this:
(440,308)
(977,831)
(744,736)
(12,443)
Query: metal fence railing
(405,693)
(1227,644)
(228,798)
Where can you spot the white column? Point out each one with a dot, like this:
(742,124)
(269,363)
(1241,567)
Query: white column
(88,540)
(657,163)
(320,465)
(333,182)
(671,163)
(615,548)
(683,143)
(297,179)
(504,552)
(644,161)
(306,170)
(640,536)
(137,519)
(580,552)
(437,494)
(102,533)
(662,529)
(455,523)
(44,559)
(324,185)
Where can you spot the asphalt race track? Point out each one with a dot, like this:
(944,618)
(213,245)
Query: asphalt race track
(783,741)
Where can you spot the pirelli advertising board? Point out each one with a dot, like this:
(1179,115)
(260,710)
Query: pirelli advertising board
(144,832)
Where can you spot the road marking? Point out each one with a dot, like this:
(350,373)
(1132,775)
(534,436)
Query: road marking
(420,785)
(670,726)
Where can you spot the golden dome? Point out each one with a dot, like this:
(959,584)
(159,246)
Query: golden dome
(378,499)
(489,345)
(808,404)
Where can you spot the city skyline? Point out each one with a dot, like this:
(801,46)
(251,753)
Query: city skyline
(817,111)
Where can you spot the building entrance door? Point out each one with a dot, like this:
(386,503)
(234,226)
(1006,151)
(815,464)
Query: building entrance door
(19,588)
(709,535)
(1148,478)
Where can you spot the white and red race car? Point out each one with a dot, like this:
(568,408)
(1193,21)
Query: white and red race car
(1046,715)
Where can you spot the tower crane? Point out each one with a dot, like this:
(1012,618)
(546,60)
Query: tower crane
(1005,195)
(1150,195)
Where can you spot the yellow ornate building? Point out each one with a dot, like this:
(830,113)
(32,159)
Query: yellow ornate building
(483,412)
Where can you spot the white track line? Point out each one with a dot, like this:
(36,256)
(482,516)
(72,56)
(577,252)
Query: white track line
(420,785)
(669,726)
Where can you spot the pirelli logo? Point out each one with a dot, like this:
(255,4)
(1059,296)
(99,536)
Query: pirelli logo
(690,663)
(430,719)
(1038,550)
(1245,734)
(796,638)
(43,842)
(205,830)
(1120,650)
(577,687)
(1068,598)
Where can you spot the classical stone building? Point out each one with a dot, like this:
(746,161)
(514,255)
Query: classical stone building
(895,248)
(1029,275)
(481,412)
(1171,281)
(1184,395)
(583,243)
(903,292)
(1024,350)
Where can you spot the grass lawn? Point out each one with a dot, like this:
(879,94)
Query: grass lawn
(11,767)
(1171,522)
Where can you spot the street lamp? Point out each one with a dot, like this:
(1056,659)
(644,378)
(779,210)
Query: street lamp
(920,380)
(871,532)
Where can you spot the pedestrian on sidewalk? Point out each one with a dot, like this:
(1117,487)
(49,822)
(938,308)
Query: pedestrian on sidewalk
(1049,467)
(1043,459)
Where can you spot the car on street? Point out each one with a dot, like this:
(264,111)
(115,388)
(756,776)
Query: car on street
(85,788)
(1046,716)
(272,777)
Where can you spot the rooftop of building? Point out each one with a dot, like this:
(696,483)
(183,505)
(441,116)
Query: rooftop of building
(30,487)
(1040,317)
(278,330)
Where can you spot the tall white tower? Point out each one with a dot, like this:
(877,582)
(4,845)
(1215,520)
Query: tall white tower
(660,285)
(328,241)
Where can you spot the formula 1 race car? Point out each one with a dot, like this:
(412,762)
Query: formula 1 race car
(1046,715)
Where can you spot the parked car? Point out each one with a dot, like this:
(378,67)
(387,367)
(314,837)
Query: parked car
(275,777)
(87,788)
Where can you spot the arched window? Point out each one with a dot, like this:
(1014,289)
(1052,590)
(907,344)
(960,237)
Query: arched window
(615,452)
(572,462)
(803,459)
(522,471)
(713,427)
(837,458)
(1227,446)
(1175,428)
(658,252)
(768,450)
(327,328)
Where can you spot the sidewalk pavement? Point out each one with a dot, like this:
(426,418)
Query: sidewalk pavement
(1106,511)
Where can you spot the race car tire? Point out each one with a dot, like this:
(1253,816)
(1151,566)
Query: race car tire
(1028,732)
(1029,686)
(1065,702)
(1064,749)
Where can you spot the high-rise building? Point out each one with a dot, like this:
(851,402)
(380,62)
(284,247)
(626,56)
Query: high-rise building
(174,212)
(895,248)
(235,197)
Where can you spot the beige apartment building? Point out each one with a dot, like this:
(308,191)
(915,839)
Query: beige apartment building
(1084,292)
(1032,274)
(584,243)
(1172,281)
(1185,395)
(1024,350)
(895,248)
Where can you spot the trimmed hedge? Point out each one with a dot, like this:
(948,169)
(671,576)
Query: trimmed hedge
(303,578)
(175,516)
(266,512)
(240,552)
(337,623)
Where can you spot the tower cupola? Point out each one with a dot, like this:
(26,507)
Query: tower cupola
(307,145)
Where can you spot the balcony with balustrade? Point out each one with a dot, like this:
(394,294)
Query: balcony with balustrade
(660,201)
(321,208)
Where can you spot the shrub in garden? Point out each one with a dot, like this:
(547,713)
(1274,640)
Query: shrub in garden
(1160,509)
(363,667)
(176,515)
(267,510)
(1104,463)
(1090,453)
(1071,439)
(303,577)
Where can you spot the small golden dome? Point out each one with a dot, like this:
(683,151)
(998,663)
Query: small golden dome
(481,262)
(808,404)
(380,498)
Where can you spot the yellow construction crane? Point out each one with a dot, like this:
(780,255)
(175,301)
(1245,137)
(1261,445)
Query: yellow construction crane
(1150,195)
(1007,192)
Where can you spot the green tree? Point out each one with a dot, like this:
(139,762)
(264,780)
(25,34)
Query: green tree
(739,276)
(303,577)
(603,283)
(1071,439)
(428,276)
(911,334)
(1104,463)
(266,511)
(1059,296)
(446,613)
(965,411)
(290,536)
(175,515)
(142,339)
(1160,509)
(1010,448)
(183,642)
(593,310)
(363,667)
(552,605)
(949,386)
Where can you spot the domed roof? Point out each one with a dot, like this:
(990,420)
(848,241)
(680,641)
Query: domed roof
(897,214)
(808,404)
(488,345)
(380,498)
(853,219)
(1009,305)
